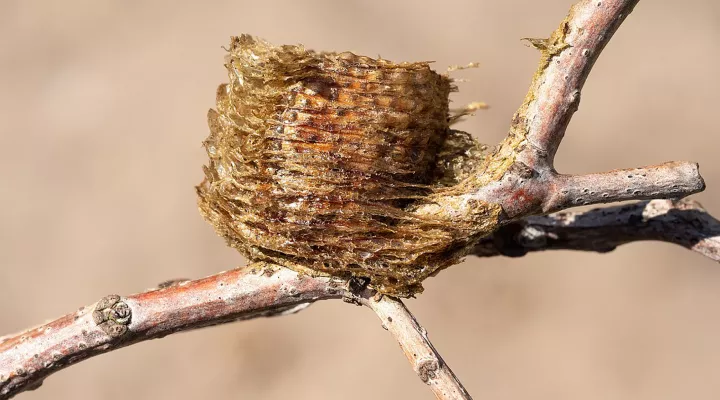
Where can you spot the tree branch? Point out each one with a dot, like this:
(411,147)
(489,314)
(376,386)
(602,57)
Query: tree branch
(520,177)
(682,222)
(114,322)
(567,58)
(259,290)
(256,291)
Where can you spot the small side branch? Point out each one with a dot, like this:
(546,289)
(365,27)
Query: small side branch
(418,349)
(523,191)
(682,222)
(673,179)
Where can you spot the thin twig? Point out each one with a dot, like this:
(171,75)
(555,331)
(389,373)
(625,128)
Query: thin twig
(682,222)
(413,339)
(522,194)
(674,180)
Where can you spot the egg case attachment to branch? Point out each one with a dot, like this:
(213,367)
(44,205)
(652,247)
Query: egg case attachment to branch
(317,161)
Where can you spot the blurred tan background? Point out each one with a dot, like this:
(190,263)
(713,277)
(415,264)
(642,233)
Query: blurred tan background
(102,112)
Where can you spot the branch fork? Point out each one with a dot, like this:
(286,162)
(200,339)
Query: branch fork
(531,186)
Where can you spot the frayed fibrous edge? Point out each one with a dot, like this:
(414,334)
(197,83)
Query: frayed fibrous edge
(318,162)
